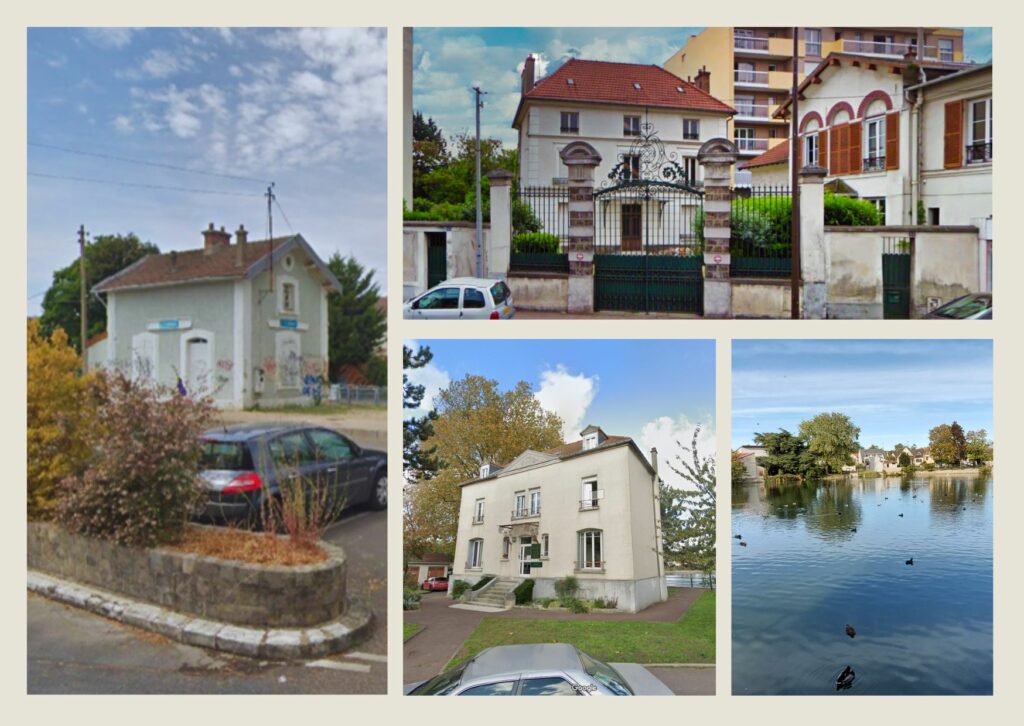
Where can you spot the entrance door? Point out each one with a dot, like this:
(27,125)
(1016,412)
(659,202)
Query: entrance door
(437,258)
(632,228)
(525,543)
(198,364)
(895,278)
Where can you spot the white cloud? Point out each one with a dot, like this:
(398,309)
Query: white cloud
(113,38)
(309,84)
(568,395)
(668,436)
(234,70)
(162,63)
(124,124)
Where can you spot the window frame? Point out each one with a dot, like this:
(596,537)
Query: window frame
(876,161)
(629,128)
(534,499)
(476,547)
(811,150)
(479,511)
(590,542)
(572,128)
(987,121)
(689,135)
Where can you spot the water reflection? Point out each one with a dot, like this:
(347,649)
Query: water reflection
(826,553)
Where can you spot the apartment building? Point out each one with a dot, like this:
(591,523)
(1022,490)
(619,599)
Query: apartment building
(751,68)
(588,509)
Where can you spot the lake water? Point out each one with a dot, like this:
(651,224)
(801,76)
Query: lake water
(804,575)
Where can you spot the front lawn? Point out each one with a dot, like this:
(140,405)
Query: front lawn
(691,639)
(327,408)
(409,630)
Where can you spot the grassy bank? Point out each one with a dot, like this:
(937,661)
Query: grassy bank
(691,639)
(409,630)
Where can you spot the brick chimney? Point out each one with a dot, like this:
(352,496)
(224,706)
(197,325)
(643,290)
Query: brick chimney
(703,81)
(528,74)
(241,242)
(214,238)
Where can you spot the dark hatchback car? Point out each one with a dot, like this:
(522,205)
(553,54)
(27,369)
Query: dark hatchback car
(243,464)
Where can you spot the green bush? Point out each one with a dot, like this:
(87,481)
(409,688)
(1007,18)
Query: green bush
(524,592)
(606,603)
(852,212)
(458,588)
(411,600)
(575,605)
(545,602)
(567,587)
(543,242)
(524,221)
(481,582)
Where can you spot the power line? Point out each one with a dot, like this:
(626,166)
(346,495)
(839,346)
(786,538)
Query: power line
(157,164)
(142,186)
(281,209)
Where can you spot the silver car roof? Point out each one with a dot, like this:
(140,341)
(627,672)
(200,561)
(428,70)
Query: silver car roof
(517,658)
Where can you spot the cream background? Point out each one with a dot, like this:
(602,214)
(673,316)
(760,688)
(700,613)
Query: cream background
(721,709)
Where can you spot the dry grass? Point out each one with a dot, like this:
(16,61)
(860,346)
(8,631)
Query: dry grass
(255,548)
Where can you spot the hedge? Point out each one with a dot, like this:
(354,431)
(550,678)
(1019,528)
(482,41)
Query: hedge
(482,581)
(524,592)
(542,242)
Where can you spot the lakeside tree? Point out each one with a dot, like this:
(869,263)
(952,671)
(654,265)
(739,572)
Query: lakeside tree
(787,454)
(942,446)
(356,326)
(831,439)
(978,447)
(688,515)
(737,471)
(104,255)
(476,424)
(904,459)
(956,433)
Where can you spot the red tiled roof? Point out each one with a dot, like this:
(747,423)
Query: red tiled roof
(607,82)
(102,335)
(174,267)
(778,154)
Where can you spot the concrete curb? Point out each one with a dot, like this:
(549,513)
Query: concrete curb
(329,638)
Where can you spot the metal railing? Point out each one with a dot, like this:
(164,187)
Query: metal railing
(752,110)
(747,76)
(744,42)
(587,504)
(874,163)
(550,205)
(761,244)
(748,144)
(978,153)
(525,513)
(358,395)
(894,49)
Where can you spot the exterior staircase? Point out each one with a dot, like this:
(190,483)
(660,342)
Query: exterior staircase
(497,594)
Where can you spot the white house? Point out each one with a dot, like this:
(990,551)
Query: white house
(245,323)
(587,509)
(747,456)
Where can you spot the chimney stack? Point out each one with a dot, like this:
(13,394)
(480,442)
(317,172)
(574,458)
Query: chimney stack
(703,81)
(529,73)
(241,240)
(654,460)
(214,238)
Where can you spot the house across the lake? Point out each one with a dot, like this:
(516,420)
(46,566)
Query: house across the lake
(245,323)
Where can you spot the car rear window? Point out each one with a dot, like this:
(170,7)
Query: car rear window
(225,455)
(499,292)
(606,675)
(964,307)
(472,298)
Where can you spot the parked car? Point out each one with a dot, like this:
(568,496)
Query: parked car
(975,306)
(242,464)
(463,298)
(548,669)
(435,583)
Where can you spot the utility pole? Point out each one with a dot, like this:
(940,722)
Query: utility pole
(270,232)
(83,308)
(478,98)
(794,185)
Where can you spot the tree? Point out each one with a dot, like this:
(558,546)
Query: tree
(104,255)
(904,459)
(940,442)
(956,433)
(356,325)
(418,460)
(831,439)
(690,541)
(429,148)
(979,448)
(738,471)
(787,454)
(476,424)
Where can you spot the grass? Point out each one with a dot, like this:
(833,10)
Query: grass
(691,639)
(409,630)
(230,543)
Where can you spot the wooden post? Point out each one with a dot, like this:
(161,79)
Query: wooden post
(82,300)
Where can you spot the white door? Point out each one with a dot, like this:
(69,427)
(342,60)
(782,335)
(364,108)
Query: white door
(198,365)
(525,543)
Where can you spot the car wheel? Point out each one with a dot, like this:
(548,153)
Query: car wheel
(379,496)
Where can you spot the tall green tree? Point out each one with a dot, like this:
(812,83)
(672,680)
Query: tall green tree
(956,433)
(419,462)
(979,448)
(355,325)
(104,255)
(689,540)
(904,459)
(941,445)
(786,454)
(429,148)
(831,439)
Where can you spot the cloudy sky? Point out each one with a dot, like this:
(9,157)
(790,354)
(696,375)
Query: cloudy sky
(655,391)
(894,390)
(304,108)
(448,62)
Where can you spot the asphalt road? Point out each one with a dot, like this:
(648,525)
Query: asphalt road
(74,651)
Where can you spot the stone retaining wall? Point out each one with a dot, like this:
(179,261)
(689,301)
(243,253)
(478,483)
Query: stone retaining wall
(220,590)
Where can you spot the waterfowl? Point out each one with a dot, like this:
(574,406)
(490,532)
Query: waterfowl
(910,561)
(743,544)
(850,630)
(854,529)
(739,536)
(845,679)
(901,514)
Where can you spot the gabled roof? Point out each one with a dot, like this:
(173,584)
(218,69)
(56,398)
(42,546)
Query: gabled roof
(621,84)
(778,154)
(218,263)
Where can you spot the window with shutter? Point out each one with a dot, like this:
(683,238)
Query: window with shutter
(892,140)
(823,155)
(855,130)
(842,149)
(953,137)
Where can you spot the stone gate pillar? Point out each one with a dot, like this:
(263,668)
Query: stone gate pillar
(581,159)
(812,242)
(717,157)
(498,250)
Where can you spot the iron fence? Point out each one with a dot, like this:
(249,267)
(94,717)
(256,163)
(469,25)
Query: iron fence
(542,251)
(550,205)
(761,244)
(648,218)
(355,395)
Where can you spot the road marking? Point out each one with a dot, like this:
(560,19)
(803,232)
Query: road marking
(372,657)
(338,665)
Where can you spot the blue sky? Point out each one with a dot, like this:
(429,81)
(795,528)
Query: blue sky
(894,390)
(655,391)
(304,108)
(448,62)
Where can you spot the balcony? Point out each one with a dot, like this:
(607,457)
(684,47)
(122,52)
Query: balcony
(885,49)
(751,146)
(478,520)
(978,153)
(765,47)
(756,112)
(874,163)
(764,80)
(587,504)
(518,514)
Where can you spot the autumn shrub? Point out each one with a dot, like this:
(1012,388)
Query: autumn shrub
(140,483)
(459,588)
(59,416)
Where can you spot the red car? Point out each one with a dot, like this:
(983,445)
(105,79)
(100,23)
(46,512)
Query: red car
(435,583)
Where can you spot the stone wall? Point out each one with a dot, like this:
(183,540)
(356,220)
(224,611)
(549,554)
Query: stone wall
(757,298)
(225,591)
(546,292)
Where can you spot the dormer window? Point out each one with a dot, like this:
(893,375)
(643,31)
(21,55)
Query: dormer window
(589,442)
(485,470)
(636,86)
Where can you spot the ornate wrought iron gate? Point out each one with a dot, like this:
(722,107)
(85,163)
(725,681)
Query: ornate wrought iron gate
(647,215)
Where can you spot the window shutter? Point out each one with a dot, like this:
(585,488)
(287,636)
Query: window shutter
(856,131)
(953,139)
(535,551)
(833,151)
(843,149)
(823,157)
(892,140)
(799,158)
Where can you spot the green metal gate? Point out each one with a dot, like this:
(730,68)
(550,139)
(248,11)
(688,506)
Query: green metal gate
(647,257)
(896,257)
(437,258)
